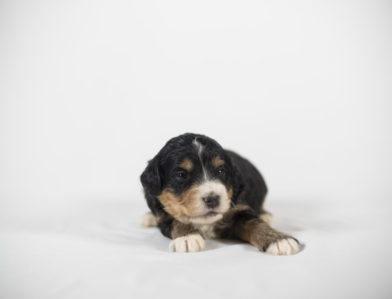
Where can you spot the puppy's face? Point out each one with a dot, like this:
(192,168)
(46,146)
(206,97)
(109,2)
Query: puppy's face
(194,176)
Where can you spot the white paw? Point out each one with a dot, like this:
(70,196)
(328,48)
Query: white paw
(148,220)
(286,246)
(189,243)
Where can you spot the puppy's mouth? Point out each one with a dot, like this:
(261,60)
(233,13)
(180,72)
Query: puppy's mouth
(210,214)
(207,218)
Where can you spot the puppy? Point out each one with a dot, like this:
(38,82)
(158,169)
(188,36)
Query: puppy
(197,190)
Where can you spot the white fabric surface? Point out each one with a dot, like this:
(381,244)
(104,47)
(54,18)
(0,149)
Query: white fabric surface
(95,249)
(90,90)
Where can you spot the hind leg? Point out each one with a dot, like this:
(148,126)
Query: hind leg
(148,220)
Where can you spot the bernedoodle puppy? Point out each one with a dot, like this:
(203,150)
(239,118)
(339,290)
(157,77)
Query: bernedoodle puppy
(197,190)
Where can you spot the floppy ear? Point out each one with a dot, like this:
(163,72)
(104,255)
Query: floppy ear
(151,179)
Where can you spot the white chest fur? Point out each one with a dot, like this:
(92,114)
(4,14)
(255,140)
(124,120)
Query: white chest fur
(206,230)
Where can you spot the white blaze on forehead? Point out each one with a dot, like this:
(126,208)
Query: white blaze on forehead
(199,147)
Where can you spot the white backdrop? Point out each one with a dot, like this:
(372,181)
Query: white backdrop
(90,90)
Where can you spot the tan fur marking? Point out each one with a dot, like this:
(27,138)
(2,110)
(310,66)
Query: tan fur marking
(180,207)
(230,193)
(217,161)
(186,164)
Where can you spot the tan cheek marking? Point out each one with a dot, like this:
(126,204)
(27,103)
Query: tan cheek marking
(217,161)
(226,201)
(172,204)
(186,164)
(230,193)
(181,207)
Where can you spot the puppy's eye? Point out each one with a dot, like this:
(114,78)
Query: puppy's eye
(181,174)
(221,171)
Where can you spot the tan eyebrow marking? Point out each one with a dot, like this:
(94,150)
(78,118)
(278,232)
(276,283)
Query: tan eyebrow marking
(217,161)
(186,164)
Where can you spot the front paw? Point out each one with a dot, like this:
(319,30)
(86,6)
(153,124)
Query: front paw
(285,246)
(188,243)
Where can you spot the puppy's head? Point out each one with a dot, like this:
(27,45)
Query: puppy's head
(192,178)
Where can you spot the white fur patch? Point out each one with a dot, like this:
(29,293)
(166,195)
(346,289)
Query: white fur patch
(286,246)
(200,148)
(148,220)
(188,243)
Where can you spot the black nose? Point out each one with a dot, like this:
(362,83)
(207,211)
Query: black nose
(211,201)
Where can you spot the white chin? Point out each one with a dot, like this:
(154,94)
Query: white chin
(206,219)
